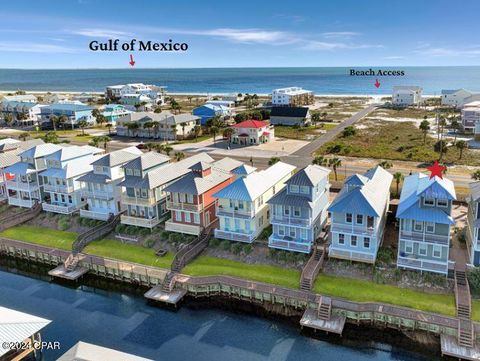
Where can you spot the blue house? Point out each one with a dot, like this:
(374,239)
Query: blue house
(74,113)
(358,216)
(425,219)
(209,111)
(473,229)
(299,211)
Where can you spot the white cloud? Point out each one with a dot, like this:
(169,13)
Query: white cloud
(322,45)
(394,57)
(101,33)
(340,34)
(450,52)
(27,47)
(248,35)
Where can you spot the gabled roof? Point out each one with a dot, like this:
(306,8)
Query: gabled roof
(227,164)
(16,326)
(200,166)
(19,98)
(294,112)
(255,184)
(73,152)
(66,107)
(418,185)
(293,200)
(475,191)
(251,124)
(118,157)
(71,169)
(83,351)
(309,176)
(147,161)
(244,169)
(40,150)
(364,194)
(453,91)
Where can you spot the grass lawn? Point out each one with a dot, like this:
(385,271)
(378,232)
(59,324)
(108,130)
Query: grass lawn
(200,138)
(211,266)
(476,310)
(42,236)
(366,291)
(396,141)
(302,133)
(111,248)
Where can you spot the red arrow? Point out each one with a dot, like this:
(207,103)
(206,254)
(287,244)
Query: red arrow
(377,83)
(132,62)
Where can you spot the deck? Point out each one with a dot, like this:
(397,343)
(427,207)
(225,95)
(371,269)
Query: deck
(157,294)
(450,347)
(334,325)
(62,272)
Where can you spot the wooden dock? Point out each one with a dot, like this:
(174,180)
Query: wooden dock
(62,272)
(158,294)
(450,347)
(335,324)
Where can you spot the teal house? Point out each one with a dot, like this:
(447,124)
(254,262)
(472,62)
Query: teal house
(113,112)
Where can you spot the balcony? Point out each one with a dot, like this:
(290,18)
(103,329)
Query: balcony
(235,212)
(62,209)
(349,228)
(424,237)
(22,186)
(180,206)
(289,245)
(182,228)
(291,221)
(58,188)
(150,201)
(102,216)
(139,221)
(234,236)
(19,202)
(351,255)
(98,194)
(422,265)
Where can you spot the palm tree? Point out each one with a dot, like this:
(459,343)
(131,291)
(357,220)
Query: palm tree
(62,119)
(214,130)
(132,126)
(334,163)
(150,146)
(476,175)
(101,139)
(82,124)
(227,134)
(320,160)
(179,156)
(455,126)
(109,126)
(54,121)
(386,164)
(148,126)
(167,149)
(273,160)
(160,147)
(8,118)
(173,127)
(398,178)
(441,148)
(183,130)
(196,131)
(155,126)
(424,127)
(461,145)
(23,136)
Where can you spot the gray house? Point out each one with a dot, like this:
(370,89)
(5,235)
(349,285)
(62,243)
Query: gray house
(473,229)
(290,116)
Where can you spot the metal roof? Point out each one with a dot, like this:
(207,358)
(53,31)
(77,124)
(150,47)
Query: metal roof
(72,152)
(71,169)
(83,351)
(20,168)
(118,157)
(9,158)
(255,184)
(295,112)
(91,177)
(364,194)
(283,198)
(244,169)
(475,190)
(147,161)
(227,164)
(16,326)
(194,184)
(309,176)
(40,150)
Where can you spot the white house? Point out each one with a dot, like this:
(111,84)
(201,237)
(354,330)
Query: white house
(23,112)
(293,96)
(100,187)
(55,98)
(224,103)
(154,92)
(455,97)
(252,132)
(136,102)
(471,116)
(406,95)
(62,189)
(20,98)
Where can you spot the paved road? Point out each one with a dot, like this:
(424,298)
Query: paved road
(311,147)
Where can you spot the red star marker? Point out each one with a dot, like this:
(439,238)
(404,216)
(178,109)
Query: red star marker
(436,170)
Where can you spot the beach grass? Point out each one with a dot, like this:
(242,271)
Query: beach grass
(302,133)
(212,266)
(367,291)
(41,236)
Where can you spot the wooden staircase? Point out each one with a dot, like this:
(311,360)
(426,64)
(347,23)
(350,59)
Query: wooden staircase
(311,269)
(169,282)
(465,333)
(324,311)
(190,251)
(466,336)
(95,233)
(15,219)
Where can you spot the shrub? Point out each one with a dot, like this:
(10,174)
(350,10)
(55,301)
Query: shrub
(226,245)
(474,279)
(272,253)
(265,233)
(131,230)
(144,232)
(164,235)
(149,243)
(385,255)
(349,131)
(63,223)
(214,242)
(120,228)
(91,223)
(237,248)
(247,249)
(282,255)
(290,257)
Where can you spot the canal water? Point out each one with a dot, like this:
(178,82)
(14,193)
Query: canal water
(125,322)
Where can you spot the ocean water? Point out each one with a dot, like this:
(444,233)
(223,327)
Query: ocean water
(126,323)
(335,80)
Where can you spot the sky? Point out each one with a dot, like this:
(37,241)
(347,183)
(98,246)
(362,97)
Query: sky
(261,33)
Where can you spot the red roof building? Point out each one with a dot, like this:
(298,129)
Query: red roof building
(252,132)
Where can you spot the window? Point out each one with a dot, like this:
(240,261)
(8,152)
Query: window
(293,232)
(437,251)
(408,247)
(418,226)
(286,211)
(303,233)
(442,203)
(296,211)
(359,219)
(128,171)
(189,198)
(281,231)
(227,222)
(353,241)
(341,238)
(422,250)
(304,190)
(294,189)
(366,242)
(188,217)
(429,202)
(429,227)
(348,218)
(136,172)
(178,216)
